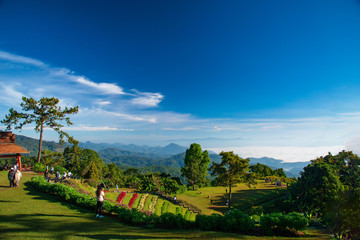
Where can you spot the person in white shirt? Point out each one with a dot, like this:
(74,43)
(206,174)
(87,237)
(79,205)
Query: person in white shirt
(100,200)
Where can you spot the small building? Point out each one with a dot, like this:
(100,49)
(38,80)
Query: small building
(8,148)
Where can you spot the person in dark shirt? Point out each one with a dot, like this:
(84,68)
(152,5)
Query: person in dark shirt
(11,176)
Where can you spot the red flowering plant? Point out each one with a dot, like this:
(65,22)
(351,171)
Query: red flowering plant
(121,197)
(132,200)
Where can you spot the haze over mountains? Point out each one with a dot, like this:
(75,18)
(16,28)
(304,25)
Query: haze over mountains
(171,155)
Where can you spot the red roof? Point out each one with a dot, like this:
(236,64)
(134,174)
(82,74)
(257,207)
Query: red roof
(11,148)
(8,146)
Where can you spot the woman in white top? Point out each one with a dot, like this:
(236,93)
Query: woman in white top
(100,200)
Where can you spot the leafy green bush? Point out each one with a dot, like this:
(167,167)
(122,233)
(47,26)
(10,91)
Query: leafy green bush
(296,221)
(171,221)
(237,221)
(209,222)
(39,167)
(270,222)
(277,223)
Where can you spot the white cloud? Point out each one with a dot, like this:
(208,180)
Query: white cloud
(95,128)
(180,129)
(147,99)
(106,104)
(10,96)
(108,88)
(287,154)
(102,102)
(20,59)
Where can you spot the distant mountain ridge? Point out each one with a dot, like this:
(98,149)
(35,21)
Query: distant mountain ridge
(131,155)
(169,149)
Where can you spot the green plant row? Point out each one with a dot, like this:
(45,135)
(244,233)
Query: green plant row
(232,221)
(142,201)
(153,204)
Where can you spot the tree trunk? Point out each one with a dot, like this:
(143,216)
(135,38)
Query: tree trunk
(229,203)
(40,143)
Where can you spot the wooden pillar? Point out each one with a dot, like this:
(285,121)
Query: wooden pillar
(18,161)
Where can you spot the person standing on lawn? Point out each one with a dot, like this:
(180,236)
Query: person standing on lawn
(100,200)
(11,177)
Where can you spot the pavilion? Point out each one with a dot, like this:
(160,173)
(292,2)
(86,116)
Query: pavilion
(8,148)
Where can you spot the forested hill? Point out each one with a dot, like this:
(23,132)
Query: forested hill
(168,150)
(137,156)
(32,145)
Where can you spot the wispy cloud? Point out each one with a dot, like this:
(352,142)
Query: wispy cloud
(20,59)
(108,88)
(133,115)
(95,128)
(10,96)
(287,154)
(180,129)
(147,99)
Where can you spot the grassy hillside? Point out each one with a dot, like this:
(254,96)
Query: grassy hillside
(29,214)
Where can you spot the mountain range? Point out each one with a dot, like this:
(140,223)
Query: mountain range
(171,155)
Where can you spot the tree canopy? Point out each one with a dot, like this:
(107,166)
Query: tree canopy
(43,113)
(196,164)
(232,169)
(329,188)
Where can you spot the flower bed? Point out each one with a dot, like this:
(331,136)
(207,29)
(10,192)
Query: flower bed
(142,201)
(233,221)
(153,204)
(121,197)
(132,200)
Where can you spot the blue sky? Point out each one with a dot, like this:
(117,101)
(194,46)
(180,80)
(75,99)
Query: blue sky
(263,78)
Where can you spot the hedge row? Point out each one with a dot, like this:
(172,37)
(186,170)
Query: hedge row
(232,221)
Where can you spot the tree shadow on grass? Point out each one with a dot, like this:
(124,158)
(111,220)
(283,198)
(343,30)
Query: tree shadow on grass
(54,199)
(61,227)
(5,201)
(246,198)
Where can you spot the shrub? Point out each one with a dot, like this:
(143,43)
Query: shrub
(270,222)
(296,221)
(277,223)
(170,221)
(39,167)
(137,217)
(209,222)
(237,221)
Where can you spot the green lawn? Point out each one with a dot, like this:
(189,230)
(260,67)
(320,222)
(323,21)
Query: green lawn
(28,214)
(242,197)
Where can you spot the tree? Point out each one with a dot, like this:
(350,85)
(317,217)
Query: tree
(196,163)
(93,172)
(232,169)
(88,158)
(44,113)
(317,186)
(261,170)
(72,156)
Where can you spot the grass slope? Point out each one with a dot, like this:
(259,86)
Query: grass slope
(29,214)
(242,197)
